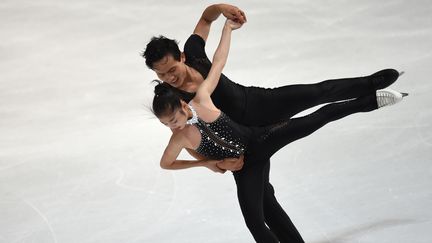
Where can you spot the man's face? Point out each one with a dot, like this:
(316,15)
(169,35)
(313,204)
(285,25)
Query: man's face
(170,70)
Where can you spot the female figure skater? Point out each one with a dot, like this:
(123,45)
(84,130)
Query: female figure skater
(199,125)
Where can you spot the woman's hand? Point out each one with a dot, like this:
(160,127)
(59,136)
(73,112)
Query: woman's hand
(232,24)
(212,165)
(232,164)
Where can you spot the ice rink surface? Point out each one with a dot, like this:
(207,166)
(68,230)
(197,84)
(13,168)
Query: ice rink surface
(79,149)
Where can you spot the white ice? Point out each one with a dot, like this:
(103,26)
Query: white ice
(79,149)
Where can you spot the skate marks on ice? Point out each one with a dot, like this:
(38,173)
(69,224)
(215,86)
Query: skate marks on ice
(349,234)
(40,229)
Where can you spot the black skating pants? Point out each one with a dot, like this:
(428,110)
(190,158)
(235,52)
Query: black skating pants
(264,217)
(267,106)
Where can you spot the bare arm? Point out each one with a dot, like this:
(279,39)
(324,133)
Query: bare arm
(170,154)
(212,12)
(232,164)
(210,165)
(169,159)
(219,60)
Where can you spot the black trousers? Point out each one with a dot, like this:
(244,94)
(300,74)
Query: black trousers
(263,215)
(266,106)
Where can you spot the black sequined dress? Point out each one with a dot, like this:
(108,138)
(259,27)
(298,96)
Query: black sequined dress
(222,138)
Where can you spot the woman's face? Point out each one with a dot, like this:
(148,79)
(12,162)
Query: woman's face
(176,120)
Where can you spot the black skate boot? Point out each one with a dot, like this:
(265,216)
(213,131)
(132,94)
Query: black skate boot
(384,78)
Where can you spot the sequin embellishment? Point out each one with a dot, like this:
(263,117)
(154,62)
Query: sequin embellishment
(218,140)
(194,118)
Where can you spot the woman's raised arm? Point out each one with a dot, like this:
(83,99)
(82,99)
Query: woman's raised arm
(219,59)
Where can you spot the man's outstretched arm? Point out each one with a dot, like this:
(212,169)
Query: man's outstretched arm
(212,12)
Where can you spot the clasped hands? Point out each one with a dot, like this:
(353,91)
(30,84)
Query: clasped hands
(233,13)
(221,166)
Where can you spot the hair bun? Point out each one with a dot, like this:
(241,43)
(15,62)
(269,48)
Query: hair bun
(160,88)
(166,98)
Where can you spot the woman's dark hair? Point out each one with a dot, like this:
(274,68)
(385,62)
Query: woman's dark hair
(159,47)
(166,99)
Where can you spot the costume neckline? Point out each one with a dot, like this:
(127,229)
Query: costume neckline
(194,118)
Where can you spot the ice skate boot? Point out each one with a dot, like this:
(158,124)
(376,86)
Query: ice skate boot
(387,97)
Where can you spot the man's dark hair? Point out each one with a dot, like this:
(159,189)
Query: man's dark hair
(159,47)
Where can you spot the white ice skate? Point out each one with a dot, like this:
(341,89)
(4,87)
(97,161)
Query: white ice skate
(387,97)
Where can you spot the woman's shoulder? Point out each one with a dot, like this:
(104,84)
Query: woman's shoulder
(184,136)
(205,109)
